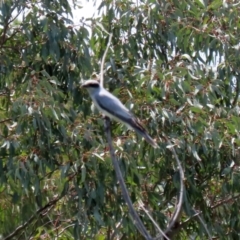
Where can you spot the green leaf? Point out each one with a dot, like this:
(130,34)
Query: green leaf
(83,173)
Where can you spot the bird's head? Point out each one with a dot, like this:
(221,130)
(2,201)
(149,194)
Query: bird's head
(91,85)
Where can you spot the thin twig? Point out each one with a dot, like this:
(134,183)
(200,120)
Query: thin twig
(64,229)
(221,202)
(153,221)
(6,120)
(101,26)
(39,211)
(183,224)
(103,60)
(203,224)
(118,225)
(8,21)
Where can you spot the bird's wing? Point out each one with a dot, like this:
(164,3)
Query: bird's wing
(112,105)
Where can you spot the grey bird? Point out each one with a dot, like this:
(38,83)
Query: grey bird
(112,107)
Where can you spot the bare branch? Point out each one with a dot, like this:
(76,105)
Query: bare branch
(39,211)
(6,120)
(118,225)
(153,221)
(221,202)
(103,60)
(177,212)
(8,21)
(183,224)
(64,229)
(237,90)
(204,224)
(136,219)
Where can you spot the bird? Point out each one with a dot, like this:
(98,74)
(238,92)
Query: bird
(112,107)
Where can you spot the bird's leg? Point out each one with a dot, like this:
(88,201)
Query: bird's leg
(107,123)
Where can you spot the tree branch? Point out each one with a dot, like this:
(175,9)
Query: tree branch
(8,21)
(237,90)
(219,203)
(177,211)
(103,60)
(153,221)
(39,211)
(6,120)
(136,219)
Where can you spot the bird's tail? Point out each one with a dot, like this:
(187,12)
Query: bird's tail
(142,131)
(148,138)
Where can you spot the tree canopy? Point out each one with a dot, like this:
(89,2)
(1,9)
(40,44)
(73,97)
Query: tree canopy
(174,64)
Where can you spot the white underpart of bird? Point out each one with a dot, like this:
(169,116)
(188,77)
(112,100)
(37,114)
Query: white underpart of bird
(112,107)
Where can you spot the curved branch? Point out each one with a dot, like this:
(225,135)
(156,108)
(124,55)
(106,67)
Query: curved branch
(177,211)
(136,219)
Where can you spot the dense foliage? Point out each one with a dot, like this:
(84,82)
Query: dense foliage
(175,64)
